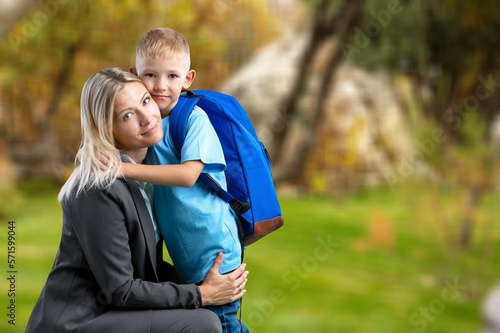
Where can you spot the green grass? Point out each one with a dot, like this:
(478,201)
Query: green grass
(378,261)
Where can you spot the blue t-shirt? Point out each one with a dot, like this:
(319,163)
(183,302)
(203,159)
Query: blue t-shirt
(195,223)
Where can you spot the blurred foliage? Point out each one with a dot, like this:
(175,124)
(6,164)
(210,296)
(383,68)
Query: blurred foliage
(444,45)
(447,49)
(48,54)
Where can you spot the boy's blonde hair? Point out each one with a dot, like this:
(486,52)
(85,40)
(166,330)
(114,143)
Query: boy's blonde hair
(96,112)
(162,43)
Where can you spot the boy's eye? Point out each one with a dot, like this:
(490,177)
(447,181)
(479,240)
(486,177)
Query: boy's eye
(146,101)
(149,75)
(172,76)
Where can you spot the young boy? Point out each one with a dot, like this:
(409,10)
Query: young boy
(195,223)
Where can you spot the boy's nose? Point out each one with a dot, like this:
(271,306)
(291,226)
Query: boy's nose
(161,84)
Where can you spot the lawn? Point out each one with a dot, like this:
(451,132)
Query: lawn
(377,261)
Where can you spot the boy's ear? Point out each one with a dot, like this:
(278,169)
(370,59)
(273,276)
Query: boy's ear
(189,79)
(133,70)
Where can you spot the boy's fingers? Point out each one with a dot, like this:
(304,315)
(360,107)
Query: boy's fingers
(103,163)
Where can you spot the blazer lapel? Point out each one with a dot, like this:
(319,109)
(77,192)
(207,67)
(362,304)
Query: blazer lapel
(145,220)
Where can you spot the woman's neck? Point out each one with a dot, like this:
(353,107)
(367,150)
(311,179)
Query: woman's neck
(137,155)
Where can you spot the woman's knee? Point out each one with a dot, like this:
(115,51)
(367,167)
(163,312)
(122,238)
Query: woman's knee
(206,322)
(185,321)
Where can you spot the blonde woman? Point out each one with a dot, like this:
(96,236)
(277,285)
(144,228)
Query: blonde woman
(108,275)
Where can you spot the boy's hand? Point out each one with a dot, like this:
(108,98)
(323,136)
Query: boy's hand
(105,164)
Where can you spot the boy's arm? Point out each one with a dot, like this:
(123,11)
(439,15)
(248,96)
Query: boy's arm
(183,175)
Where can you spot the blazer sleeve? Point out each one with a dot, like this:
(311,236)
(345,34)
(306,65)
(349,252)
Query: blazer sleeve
(103,228)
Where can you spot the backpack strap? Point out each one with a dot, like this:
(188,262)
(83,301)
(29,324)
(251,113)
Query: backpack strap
(179,119)
(177,126)
(238,206)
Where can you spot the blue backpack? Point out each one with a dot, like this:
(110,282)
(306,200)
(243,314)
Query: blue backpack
(250,187)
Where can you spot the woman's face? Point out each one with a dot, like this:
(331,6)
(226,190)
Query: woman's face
(137,120)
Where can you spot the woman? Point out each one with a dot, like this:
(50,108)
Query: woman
(109,275)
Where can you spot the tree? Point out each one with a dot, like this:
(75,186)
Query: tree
(328,22)
(446,45)
(48,54)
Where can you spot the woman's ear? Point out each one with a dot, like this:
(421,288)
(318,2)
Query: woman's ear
(191,74)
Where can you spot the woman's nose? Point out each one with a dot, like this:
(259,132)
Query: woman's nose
(145,118)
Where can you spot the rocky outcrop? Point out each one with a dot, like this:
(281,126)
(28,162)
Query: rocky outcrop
(362,140)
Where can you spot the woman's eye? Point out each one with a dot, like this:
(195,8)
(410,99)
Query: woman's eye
(146,100)
(128,115)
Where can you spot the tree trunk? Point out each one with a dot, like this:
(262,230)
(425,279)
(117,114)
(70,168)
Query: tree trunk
(44,153)
(341,24)
(467,228)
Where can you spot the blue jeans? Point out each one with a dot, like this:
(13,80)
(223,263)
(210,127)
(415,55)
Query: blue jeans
(227,314)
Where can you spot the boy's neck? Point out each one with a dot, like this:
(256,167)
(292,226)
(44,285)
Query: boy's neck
(165,113)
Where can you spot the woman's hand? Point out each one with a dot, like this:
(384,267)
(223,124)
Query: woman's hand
(219,289)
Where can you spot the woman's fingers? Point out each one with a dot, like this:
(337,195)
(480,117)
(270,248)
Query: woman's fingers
(217,262)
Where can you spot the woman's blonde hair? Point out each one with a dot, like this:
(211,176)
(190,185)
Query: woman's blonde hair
(96,112)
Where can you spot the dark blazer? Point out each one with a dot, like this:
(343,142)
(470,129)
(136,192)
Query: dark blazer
(108,259)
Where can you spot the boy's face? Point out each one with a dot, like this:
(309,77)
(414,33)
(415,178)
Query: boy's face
(165,78)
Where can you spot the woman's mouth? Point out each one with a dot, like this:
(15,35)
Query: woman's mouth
(151,130)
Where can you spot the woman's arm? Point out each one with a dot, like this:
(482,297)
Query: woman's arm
(109,231)
(183,175)
(105,231)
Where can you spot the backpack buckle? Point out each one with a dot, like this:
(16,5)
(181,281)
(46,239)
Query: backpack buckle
(238,206)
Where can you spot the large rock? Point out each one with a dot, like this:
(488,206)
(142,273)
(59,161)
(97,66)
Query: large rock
(362,140)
